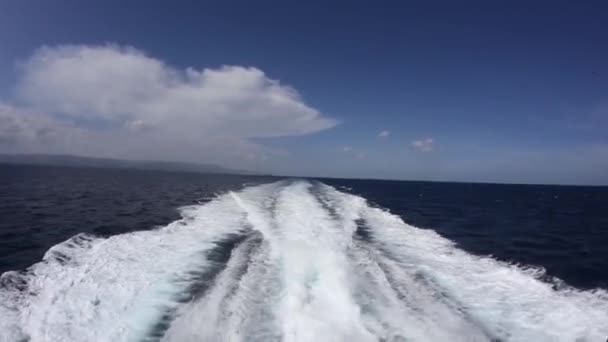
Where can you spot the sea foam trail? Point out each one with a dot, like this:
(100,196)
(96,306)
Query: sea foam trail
(289,261)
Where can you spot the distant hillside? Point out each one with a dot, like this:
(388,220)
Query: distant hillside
(76,161)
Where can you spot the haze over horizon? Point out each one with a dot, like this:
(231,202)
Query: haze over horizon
(476,91)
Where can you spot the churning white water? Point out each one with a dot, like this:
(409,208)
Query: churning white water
(288,261)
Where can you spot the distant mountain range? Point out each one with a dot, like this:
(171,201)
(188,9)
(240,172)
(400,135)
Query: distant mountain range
(77,161)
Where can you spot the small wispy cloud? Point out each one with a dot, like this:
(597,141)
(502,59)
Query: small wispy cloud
(424,145)
(353,152)
(384,134)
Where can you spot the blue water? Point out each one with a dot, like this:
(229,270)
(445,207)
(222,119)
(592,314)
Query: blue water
(563,229)
(42,206)
(170,256)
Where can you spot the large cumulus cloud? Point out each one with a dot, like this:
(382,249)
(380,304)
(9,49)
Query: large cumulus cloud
(26,130)
(133,105)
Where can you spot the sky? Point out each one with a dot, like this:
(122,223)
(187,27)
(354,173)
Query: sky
(483,91)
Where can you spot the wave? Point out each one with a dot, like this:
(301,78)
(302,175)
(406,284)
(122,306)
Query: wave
(289,261)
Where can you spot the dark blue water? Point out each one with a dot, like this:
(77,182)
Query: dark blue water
(42,206)
(563,229)
(296,260)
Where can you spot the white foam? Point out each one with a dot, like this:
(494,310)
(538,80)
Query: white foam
(302,272)
(506,301)
(113,289)
(317,295)
(299,273)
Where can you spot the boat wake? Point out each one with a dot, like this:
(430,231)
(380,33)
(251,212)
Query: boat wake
(288,261)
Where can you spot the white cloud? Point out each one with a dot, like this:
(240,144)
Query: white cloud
(144,107)
(424,145)
(384,134)
(20,128)
(352,152)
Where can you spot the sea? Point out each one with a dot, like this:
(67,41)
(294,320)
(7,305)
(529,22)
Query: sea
(136,255)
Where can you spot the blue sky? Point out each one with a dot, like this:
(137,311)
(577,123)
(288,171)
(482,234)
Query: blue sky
(467,91)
